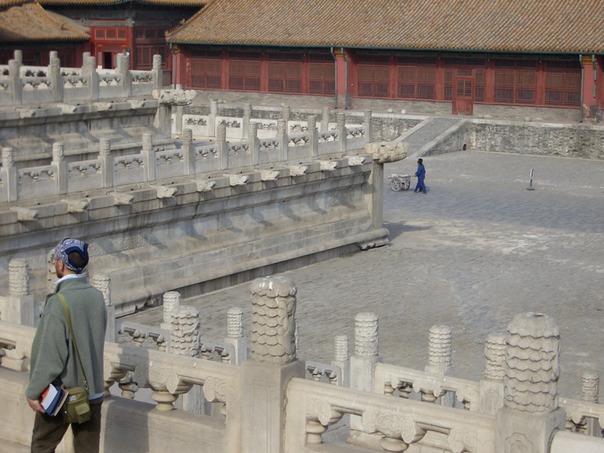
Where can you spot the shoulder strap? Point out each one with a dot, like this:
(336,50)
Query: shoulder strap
(73,338)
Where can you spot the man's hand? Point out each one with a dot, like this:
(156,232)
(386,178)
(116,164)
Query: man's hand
(36,406)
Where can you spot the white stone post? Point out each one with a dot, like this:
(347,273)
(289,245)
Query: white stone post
(157,72)
(171,302)
(325,119)
(283,139)
(368,125)
(590,390)
(245,124)
(123,69)
(342,359)
(148,153)
(235,338)
(254,143)
(18,306)
(188,151)
(440,361)
(273,364)
(212,117)
(58,161)
(56,79)
(366,355)
(223,146)
(491,385)
(531,413)
(342,132)
(15,83)
(9,174)
(311,121)
(89,71)
(106,162)
(103,284)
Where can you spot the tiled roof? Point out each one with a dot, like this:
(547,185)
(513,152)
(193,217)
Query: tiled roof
(195,3)
(30,22)
(560,26)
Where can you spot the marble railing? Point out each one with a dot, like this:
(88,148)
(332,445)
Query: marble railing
(38,85)
(155,163)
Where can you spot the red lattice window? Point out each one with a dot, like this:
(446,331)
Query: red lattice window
(244,75)
(284,77)
(563,84)
(516,83)
(373,80)
(206,73)
(321,78)
(416,82)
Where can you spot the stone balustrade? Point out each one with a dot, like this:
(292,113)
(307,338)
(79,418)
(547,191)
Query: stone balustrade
(22,85)
(158,164)
(227,398)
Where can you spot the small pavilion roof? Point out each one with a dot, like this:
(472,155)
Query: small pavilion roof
(26,21)
(540,26)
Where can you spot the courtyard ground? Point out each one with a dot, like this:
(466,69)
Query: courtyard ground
(475,251)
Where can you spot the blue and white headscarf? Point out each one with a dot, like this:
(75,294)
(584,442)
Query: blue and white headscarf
(67,246)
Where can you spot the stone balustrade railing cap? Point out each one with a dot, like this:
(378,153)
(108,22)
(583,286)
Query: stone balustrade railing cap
(278,286)
(537,325)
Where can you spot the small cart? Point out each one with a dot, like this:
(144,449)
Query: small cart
(399,182)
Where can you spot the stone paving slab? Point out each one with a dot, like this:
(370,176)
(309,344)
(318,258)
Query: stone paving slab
(475,251)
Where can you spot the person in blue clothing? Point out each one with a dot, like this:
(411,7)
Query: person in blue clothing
(421,175)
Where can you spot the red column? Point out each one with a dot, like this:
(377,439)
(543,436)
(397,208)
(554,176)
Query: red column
(600,82)
(589,88)
(342,82)
(180,67)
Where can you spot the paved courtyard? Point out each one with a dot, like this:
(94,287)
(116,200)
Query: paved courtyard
(478,249)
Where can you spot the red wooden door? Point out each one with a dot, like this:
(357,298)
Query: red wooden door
(463,96)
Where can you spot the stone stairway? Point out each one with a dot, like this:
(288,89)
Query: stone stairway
(421,136)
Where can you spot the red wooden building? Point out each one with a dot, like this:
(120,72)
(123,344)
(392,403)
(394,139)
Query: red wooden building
(459,55)
(26,26)
(106,27)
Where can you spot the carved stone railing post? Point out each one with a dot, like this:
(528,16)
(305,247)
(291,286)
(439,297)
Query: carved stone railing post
(89,71)
(246,121)
(439,359)
(106,162)
(235,338)
(222,146)
(185,340)
(188,151)
(157,73)
(342,132)
(590,389)
(56,79)
(314,135)
(342,359)
(58,161)
(9,174)
(273,363)
(103,284)
(18,306)
(368,126)
(148,153)
(491,385)
(325,119)
(171,302)
(366,355)
(283,139)
(254,143)
(531,412)
(123,69)
(212,117)
(16,85)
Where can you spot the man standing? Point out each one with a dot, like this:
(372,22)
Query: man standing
(421,175)
(53,359)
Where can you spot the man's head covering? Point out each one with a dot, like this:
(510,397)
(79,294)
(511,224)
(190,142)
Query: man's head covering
(74,253)
(420,161)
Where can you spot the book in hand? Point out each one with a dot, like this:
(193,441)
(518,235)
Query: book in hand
(53,398)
